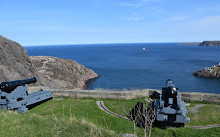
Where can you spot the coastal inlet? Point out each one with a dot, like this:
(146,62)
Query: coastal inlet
(127,66)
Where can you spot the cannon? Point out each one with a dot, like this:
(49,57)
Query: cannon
(11,85)
(14,95)
(167,109)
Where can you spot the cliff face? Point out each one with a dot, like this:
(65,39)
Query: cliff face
(15,64)
(210,43)
(62,73)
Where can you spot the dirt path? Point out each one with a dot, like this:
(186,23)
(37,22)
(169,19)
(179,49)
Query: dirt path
(194,109)
(205,127)
(103,107)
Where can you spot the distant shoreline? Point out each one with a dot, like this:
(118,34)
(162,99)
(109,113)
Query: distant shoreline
(204,43)
(190,43)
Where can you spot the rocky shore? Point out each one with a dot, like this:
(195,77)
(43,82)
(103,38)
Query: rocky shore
(203,73)
(51,72)
(211,72)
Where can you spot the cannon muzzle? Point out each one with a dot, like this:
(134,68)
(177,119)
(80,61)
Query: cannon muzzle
(11,85)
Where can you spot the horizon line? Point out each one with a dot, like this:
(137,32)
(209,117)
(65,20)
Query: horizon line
(105,43)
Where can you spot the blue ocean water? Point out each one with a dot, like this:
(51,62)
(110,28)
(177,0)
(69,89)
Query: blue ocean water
(127,66)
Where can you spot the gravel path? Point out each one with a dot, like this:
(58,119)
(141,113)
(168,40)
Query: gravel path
(205,127)
(103,107)
(194,109)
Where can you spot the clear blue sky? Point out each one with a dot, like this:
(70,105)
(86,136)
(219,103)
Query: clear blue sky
(53,22)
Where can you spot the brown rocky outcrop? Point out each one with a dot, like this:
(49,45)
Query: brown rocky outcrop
(51,72)
(62,73)
(206,74)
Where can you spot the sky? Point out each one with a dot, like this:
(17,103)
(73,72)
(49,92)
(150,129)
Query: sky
(55,22)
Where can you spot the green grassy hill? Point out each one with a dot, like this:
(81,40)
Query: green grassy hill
(82,117)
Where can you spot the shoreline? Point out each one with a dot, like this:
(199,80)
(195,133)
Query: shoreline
(190,43)
(209,72)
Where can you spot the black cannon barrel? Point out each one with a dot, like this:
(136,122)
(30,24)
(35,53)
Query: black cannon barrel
(11,85)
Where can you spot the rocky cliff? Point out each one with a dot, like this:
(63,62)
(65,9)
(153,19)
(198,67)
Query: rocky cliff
(211,72)
(15,62)
(210,43)
(51,72)
(62,73)
(206,74)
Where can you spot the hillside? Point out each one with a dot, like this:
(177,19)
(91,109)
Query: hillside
(71,117)
(62,73)
(15,64)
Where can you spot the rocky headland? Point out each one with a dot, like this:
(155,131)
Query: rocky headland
(62,73)
(204,43)
(210,43)
(211,72)
(51,72)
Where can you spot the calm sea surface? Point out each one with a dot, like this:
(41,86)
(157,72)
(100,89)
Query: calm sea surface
(127,66)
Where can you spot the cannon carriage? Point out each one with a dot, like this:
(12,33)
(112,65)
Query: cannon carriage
(167,109)
(14,95)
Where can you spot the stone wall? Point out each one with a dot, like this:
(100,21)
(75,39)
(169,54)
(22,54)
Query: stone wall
(197,96)
(126,95)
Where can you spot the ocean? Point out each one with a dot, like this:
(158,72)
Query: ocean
(127,66)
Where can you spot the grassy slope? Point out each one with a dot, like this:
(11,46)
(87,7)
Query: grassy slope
(53,118)
(73,117)
(209,114)
(82,117)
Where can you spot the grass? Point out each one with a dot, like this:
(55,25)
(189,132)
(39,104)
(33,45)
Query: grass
(50,119)
(13,125)
(122,107)
(82,117)
(208,115)
(216,69)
